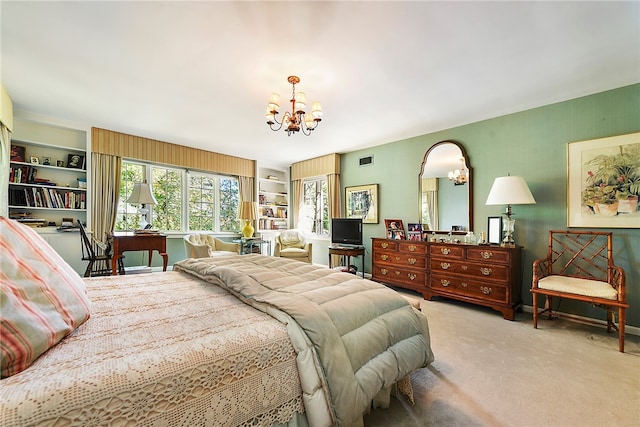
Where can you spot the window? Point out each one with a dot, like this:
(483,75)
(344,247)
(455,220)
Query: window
(314,216)
(187,201)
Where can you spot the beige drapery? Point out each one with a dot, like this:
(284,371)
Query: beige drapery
(246,190)
(430,201)
(106,173)
(333,187)
(296,200)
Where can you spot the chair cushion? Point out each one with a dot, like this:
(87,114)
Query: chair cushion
(578,286)
(294,253)
(42,299)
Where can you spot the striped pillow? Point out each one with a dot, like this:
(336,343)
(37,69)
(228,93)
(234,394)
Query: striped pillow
(42,299)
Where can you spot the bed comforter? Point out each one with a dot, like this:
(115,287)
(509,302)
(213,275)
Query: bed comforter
(364,337)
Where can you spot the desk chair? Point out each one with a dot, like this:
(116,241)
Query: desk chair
(99,265)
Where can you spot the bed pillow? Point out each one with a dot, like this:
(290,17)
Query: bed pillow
(42,299)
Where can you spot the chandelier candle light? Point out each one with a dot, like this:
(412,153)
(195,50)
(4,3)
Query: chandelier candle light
(142,195)
(509,190)
(459,176)
(297,119)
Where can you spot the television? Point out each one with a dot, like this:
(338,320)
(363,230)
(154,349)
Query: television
(346,231)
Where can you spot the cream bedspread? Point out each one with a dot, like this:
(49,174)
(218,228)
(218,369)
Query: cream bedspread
(365,337)
(161,349)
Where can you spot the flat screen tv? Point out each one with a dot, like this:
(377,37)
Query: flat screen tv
(346,231)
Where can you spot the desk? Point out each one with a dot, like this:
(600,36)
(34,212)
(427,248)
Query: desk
(128,241)
(348,252)
(246,245)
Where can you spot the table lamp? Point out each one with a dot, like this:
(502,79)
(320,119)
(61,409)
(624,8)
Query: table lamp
(248,213)
(142,196)
(509,190)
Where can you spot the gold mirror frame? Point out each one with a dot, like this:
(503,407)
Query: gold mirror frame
(469,184)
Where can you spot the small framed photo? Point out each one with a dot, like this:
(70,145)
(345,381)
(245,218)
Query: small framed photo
(75,161)
(494,227)
(395,229)
(60,163)
(34,160)
(46,161)
(17,153)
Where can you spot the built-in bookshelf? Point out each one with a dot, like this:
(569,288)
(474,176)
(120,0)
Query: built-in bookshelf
(47,175)
(273,200)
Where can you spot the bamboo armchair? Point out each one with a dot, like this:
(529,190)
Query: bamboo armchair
(579,265)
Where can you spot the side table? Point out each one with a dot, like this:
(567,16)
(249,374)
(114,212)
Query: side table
(348,252)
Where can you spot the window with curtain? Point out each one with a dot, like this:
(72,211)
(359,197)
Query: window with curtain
(187,200)
(314,215)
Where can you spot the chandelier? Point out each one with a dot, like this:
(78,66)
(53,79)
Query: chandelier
(297,119)
(458,176)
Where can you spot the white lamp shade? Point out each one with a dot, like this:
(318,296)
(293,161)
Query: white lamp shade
(141,195)
(274,101)
(510,190)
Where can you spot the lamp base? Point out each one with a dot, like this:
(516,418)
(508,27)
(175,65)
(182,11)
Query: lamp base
(247,230)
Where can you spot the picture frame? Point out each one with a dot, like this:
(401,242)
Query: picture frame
(46,161)
(603,182)
(75,161)
(362,202)
(17,153)
(34,160)
(494,230)
(395,229)
(60,163)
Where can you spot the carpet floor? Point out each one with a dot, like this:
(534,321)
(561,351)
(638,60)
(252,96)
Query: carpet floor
(492,372)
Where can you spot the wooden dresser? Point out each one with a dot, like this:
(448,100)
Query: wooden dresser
(485,275)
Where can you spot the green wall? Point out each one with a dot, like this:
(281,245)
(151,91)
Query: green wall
(531,144)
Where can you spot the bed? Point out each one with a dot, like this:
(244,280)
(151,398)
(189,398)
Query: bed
(231,340)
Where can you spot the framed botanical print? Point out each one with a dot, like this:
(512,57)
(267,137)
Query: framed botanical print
(494,225)
(362,202)
(604,182)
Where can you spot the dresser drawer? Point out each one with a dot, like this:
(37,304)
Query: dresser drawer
(392,275)
(488,254)
(468,287)
(412,247)
(401,259)
(390,245)
(483,271)
(446,251)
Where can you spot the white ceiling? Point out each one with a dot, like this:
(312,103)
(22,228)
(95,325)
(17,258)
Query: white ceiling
(200,73)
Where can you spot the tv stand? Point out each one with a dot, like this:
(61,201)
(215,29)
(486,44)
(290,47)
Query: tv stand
(347,251)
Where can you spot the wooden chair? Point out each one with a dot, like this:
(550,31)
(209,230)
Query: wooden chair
(99,265)
(579,265)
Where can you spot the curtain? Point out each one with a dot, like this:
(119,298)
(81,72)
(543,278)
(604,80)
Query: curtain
(5,147)
(333,188)
(430,201)
(245,187)
(105,186)
(296,201)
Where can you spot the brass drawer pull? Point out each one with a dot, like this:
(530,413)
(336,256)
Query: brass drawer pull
(485,290)
(412,261)
(384,257)
(445,265)
(384,245)
(412,248)
(445,282)
(412,276)
(486,254)
(383,271)
(485,271)
(445,251)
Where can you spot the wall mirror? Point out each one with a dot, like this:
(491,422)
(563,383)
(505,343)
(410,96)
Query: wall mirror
(445,186)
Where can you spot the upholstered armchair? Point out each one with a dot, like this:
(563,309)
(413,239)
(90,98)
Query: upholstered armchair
(293,245)
(205,245)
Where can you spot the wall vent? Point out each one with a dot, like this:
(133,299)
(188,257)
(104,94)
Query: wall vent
(365,161)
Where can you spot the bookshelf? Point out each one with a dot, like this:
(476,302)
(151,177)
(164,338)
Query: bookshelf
(47,174)
(273,199)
